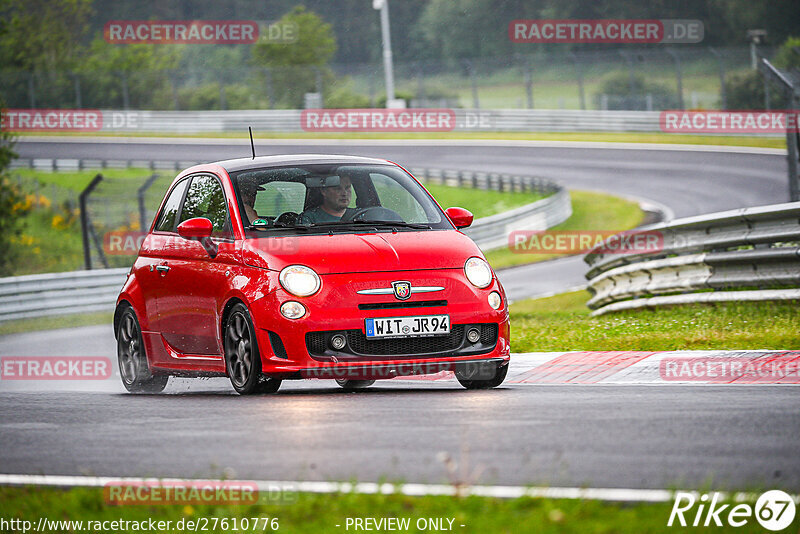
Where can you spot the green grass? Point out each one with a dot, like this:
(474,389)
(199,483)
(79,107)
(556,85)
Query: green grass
(480,203)
(563,323)
(77,181)
(604,137)
(590,211)
(319,513)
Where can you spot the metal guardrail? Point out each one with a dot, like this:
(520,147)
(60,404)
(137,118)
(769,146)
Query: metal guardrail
(41,295)
(38,295)
(492,232)
(466,120)
(744,254)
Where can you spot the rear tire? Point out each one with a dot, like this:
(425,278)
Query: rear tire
(464,377)
(242,357)
(133,367)
(351,385)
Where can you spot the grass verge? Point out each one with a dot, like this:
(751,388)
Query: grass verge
(318,513)
(563,323)
(599,137)
(590,211)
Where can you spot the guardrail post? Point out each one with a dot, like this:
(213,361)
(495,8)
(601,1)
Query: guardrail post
(87,255)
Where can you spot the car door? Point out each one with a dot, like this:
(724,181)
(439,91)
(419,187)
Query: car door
(150,267)
(197,273)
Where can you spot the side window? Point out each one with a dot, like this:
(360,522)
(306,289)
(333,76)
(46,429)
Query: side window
(205,198)
(166,221)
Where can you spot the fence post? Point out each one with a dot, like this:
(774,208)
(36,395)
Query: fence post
(87,255)
(140,196)
(678,74)
(722,95)
(270,91)
(473,82)
(77,83)
(579,74)
(32,90)
(126,102)
(769,72)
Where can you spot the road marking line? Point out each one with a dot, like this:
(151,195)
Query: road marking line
(371,488)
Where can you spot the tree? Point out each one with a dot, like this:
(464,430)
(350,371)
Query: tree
(315,44)
(42,39)
(298,67)
(143,68)
(12,207)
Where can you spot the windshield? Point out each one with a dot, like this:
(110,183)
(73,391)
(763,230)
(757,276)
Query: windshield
(330,197)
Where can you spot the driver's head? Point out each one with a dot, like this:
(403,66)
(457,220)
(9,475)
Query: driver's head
(337,198)
(248,187)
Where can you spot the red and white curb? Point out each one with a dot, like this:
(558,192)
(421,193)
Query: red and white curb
(648,368)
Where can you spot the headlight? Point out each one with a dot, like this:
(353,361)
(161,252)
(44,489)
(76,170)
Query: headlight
(299,280)
(292,310)
(478,272)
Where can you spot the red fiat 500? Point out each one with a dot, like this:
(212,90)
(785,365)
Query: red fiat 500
(290,267)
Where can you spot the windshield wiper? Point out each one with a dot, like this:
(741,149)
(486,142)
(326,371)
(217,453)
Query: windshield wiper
(417,226)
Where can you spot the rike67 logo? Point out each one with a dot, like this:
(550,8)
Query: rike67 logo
(774,510)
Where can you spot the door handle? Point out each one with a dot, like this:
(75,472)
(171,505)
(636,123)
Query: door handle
(162,268)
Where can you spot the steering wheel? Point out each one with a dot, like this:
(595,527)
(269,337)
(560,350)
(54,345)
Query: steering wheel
(374,213)
(287,217)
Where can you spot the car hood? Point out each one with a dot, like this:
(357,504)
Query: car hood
(358,253)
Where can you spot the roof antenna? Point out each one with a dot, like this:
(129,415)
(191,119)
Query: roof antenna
(252,145)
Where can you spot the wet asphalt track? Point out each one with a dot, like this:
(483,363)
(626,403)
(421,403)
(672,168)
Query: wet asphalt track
(600,436)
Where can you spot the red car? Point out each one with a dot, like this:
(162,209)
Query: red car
(288,267)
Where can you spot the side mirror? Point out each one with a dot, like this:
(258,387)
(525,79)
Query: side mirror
(460,217)
(196,228)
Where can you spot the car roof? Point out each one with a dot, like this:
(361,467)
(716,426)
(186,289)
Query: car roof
(240,164)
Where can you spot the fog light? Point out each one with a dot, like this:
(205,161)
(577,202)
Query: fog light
(473,335)
(494,300)
(338,342)
(292,310)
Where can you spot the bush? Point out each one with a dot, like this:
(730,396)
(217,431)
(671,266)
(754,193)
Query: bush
(13,206)
(341,95)
(617,87)
(744,90)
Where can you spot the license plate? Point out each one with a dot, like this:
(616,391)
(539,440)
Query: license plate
(423,325)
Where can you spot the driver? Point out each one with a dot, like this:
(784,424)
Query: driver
(248,188)
(335,200)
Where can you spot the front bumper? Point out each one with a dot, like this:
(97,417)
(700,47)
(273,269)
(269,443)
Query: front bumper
(302,346)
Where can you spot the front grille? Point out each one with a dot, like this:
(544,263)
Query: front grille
(489,334)
(396,305)
(359,346)
(315,342)
(405,345)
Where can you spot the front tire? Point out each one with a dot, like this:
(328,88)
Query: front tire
(474,378)
(133,367)
(242,357)
(351,385)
